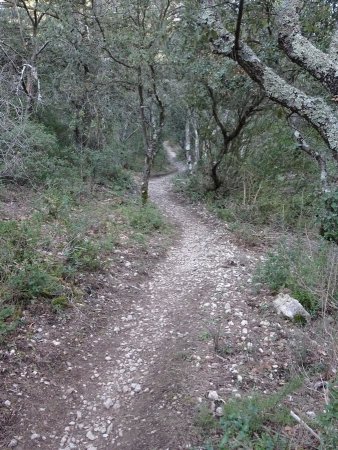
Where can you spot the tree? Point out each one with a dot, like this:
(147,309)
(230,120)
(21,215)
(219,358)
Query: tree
(319,112)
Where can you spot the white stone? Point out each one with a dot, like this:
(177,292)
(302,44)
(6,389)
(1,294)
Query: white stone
(91,436)
(212,395)
(13,443)
(35,436)
(290,307)
(136,387)
(108,403)
(219,411)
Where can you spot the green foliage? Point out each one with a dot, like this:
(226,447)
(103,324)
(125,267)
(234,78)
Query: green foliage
(83,255)
(306,269)
(26,276)
(104,167)
(60,303)
(205,421)
(56,203)
(31,282)
(328,420)
(329,217)
(275,271)
(253,422)
(256,423)
(18,241)
(144,219)
(8,320)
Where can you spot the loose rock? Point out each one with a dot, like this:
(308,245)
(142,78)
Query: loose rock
(212,395)
(290,307)
(91,436)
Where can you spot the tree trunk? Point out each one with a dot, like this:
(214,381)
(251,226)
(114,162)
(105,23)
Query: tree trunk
(214,175)
(197,143)
(148,162)
(188,145)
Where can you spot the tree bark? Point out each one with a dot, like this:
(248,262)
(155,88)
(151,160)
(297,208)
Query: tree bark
(197,142)
(322,66)
(148,162)
(313,109)
(152,129)
(187,145)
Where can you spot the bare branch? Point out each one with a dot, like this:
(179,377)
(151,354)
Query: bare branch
(305,147)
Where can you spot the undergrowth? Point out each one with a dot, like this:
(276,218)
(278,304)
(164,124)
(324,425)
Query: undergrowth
(260,422)
(309,270)
(68,232)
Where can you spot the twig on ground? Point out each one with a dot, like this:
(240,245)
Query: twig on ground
(305,425)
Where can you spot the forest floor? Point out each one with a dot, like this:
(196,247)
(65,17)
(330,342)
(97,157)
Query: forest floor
(135,368)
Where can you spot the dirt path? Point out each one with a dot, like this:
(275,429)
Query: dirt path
(137,384)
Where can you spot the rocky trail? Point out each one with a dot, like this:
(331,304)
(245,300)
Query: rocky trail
(137,382)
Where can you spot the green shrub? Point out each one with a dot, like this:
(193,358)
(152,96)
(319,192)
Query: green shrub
(253,422)
(18,241)
(329,217)
(307,269)
(60,303)
(328,420)
(144,219)
(83,255)
(56,203)
(105,168)
(257,422)
(30,282)
(8,320)
(275,271)
(25,274)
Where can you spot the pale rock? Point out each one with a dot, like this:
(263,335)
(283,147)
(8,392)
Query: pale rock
(63,440)
(13,443)
(35,436)
(108,403)
(117,405)
(290,307)
(136,387)
(219,412)
(212,395)
(91,436)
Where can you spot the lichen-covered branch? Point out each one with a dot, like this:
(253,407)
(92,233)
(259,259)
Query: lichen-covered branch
(333,50)
(313,109)
(314,154)
(300,50)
